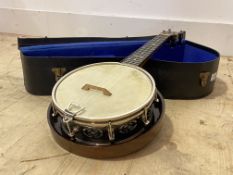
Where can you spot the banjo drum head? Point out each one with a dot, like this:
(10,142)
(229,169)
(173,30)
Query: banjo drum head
(104,92)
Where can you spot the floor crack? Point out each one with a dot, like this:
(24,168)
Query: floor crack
(33,167)
(44,158)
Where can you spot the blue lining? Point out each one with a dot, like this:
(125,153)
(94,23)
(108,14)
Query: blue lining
(186,52)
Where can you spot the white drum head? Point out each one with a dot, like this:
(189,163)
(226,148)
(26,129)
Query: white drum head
(131,90)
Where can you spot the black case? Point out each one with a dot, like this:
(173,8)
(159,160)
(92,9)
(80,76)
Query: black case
(174,78)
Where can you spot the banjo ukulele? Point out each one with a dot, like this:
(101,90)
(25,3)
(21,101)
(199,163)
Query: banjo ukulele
(109,102)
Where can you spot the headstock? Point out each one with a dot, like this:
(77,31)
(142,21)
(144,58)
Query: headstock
(175,37)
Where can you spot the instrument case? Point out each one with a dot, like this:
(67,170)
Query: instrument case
(181,71)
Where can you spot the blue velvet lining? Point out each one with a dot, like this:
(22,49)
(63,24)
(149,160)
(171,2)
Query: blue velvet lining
(186,52)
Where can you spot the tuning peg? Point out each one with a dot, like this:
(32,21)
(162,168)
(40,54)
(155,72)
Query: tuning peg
(182,34)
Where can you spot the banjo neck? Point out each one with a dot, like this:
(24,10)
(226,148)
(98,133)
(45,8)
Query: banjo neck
(141,55)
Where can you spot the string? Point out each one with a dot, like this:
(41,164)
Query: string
(140,55)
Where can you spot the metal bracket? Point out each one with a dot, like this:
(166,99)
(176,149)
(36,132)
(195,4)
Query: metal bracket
(54,114)
(145,119)
(204,76)
(72,110)
(58,72)
(66,120)
(111,134)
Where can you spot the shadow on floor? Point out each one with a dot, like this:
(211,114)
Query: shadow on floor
(220,89)
(161,139)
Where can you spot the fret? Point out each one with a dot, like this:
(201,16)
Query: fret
(141,54)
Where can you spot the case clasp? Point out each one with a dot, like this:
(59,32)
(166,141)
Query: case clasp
(204,76)
(58,72)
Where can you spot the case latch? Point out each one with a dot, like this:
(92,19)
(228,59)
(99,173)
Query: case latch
(58,72)
(204,76)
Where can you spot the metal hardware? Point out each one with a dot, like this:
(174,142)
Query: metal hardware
(145,118)
(175,37)
(58,72)
(87,87)
(69,117)
(111,134)
(181,36)
(74,109)
(66,120)
(167,33)
(204,76)
(213,77)
(54,114)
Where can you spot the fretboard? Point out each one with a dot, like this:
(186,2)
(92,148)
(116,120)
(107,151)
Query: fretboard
(143,53)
